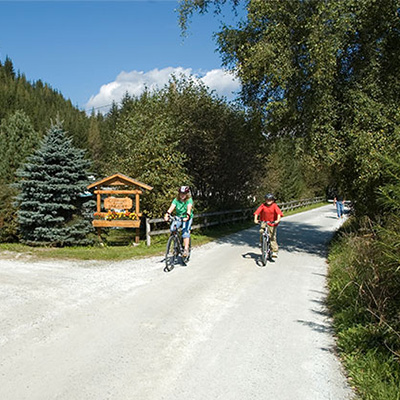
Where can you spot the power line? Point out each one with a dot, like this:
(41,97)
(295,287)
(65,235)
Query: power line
(98,107)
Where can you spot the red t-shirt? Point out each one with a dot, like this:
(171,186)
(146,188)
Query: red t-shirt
(268,213)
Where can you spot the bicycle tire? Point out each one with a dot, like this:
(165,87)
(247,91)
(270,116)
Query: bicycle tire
(264,250)
(269,252)
(171,254)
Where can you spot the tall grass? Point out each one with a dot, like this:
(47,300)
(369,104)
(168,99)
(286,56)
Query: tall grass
(364,298)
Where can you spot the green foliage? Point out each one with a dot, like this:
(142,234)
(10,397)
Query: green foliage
(283,173)
(26,110)
(323,71)
(40,103)
(375,375)
(182,134)
(364,293)
(17,141)
(50,203)
(146,147)
(221,143)
(366,326)
(8,214)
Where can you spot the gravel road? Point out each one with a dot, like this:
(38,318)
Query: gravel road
(222,328)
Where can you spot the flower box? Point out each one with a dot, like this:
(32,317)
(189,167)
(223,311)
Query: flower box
(123,223)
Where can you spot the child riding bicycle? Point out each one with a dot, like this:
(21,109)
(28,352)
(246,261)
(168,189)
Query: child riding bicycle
(270,215)
(183,203)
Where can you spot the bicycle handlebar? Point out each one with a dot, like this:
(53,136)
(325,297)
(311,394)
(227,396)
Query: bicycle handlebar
(172,218)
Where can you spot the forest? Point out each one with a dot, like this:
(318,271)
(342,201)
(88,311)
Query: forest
(319,113)
(180,134)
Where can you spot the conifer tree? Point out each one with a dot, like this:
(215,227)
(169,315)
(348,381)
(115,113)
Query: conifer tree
(9,68)
(51,187)
(17,141)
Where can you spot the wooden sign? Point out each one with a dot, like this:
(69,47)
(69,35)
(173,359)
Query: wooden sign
(102,187)
(118,203)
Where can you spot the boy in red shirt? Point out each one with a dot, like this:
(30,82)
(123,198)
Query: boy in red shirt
(270,215)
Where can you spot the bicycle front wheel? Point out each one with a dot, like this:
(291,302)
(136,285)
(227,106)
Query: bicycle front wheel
(170,254)
(264,250)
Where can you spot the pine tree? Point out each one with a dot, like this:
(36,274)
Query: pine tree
(9,68)
(17,141)
(50,200)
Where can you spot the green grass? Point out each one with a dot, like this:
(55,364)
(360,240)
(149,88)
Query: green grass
(366,346)
(117,248)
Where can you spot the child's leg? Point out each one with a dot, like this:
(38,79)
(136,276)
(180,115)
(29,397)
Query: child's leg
(186,233)
(272,235)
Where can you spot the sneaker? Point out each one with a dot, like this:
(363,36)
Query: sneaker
(185,253)
(274,254)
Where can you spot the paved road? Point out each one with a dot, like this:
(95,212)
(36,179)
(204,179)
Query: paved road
(222,328)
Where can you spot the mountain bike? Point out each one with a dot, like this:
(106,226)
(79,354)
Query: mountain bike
(175,247)
(266,253)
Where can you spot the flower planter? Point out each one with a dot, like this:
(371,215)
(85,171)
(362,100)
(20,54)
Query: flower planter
(101,223)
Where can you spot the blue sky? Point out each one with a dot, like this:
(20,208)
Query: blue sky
(95,51)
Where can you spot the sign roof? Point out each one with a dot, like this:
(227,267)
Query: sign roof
(118,180)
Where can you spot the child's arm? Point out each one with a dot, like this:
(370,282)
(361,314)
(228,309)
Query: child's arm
(168,213)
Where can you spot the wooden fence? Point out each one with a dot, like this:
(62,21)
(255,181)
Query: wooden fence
(222,217)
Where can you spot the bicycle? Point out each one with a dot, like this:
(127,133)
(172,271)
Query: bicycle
(175,247)
(266,253)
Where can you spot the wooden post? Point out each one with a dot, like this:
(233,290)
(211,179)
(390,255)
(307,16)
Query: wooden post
(99,235)
(148,230)
(137,205)
(98,202)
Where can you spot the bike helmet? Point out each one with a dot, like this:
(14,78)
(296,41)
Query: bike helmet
(184,189)
(269,196)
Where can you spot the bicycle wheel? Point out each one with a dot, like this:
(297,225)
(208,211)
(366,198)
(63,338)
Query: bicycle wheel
(264,250)
(171,254)
(269,252)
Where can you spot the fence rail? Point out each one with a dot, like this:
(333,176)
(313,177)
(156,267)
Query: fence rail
(221,217)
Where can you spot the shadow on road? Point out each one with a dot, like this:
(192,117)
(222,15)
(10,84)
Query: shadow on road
(292,237)
(257,258)
(304,238)
(322,328)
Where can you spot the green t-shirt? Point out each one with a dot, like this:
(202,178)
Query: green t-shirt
(181,207)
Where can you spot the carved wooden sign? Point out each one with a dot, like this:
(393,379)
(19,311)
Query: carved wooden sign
(118,203)
(102,188)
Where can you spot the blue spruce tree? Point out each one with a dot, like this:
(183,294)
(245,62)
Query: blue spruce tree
(51,205)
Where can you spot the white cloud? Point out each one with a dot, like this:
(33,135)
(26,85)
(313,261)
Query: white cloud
(222,82)
(135,82)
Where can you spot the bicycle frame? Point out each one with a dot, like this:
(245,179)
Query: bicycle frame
(175,247)
(265,246)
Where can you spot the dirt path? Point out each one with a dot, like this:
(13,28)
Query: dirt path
(222,328)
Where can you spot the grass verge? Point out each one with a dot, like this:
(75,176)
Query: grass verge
(123,252)
(368,346)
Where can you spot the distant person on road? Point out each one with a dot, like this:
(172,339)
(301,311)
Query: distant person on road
(183,203)
(269,214)
(338,201)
